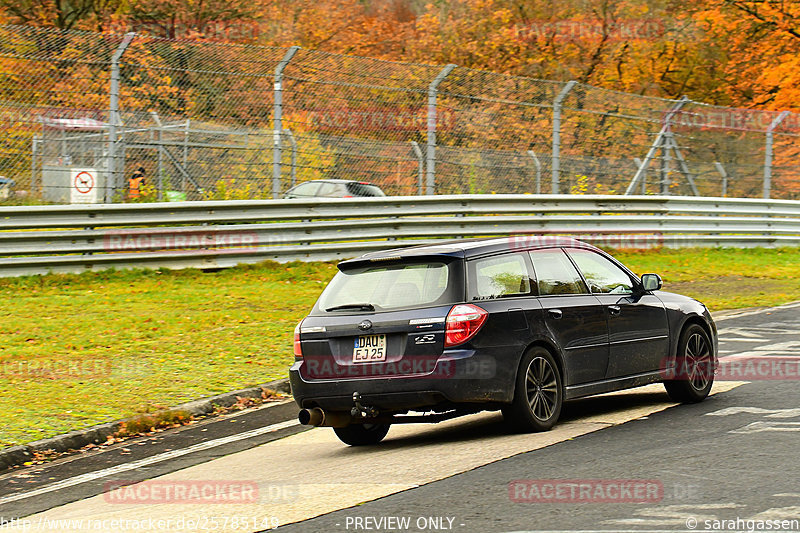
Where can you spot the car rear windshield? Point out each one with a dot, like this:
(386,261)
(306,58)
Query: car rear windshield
(385,287)
(364,189)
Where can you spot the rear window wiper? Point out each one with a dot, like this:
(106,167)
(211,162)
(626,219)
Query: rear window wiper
(362,307)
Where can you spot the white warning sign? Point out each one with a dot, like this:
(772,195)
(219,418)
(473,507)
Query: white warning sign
(83,186)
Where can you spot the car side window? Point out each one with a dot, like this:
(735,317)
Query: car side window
(305,189)
(327,189)
(499,276)
(555,273)
(602,275)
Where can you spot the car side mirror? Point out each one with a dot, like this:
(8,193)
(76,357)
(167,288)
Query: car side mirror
(651,282)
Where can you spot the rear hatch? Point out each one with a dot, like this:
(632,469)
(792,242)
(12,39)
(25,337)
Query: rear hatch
(381,318)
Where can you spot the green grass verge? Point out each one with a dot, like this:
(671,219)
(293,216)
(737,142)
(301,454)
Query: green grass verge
(724,278)
(78,350)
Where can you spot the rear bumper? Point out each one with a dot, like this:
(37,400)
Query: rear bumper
(463,379)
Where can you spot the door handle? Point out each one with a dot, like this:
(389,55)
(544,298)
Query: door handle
(555,313)
(614,310)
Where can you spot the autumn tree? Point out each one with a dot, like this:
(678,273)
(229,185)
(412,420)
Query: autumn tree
(62,14)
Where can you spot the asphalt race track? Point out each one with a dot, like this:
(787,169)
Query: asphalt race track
(629,461)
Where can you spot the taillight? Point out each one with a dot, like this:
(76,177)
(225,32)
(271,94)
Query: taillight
(463,322)
(298,349)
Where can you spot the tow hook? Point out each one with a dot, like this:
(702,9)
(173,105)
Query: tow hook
(361,411)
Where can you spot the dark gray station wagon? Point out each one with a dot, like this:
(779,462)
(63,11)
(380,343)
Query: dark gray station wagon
(517,324)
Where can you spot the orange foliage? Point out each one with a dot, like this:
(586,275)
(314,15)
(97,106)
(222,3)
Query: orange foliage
(726,52)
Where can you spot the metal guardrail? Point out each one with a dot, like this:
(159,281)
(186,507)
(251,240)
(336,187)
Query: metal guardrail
(208,235)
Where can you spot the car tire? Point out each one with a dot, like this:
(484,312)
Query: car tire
(694,368)
(362,434)
(538,394)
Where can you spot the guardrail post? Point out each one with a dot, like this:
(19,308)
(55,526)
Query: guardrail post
(556,166)
(113,118)
(538,171)
(660,140)
(293,142)
(768,153)
(420,166)
(277,124)
(433,89)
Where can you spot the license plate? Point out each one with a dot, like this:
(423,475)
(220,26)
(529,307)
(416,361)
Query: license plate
(369,348)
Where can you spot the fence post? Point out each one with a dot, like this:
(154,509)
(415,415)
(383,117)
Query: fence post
(293,142)
(431,159)
(186,132)
(420,166)
(277,125)
(768,153)
(113,117)
(34,157)
(538,171)
(666,164)
(724,174)
(160,126)
(556,166)
(637,163)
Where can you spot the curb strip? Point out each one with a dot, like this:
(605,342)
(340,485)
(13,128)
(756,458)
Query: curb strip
(17,455)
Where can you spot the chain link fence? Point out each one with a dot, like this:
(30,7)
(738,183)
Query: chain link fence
(82,113)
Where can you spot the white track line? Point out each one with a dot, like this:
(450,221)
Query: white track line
(91,476)
(757,311)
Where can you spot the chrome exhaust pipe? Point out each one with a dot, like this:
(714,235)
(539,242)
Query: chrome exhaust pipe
(319,418)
